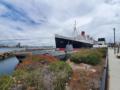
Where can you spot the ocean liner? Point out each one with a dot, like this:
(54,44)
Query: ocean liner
(76,41)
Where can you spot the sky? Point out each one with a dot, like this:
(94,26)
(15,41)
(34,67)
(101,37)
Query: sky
(35,22)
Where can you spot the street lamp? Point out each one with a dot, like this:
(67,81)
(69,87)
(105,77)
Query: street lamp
(114,39)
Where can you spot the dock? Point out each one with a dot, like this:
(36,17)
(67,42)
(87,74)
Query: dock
(6,55)
(18,54)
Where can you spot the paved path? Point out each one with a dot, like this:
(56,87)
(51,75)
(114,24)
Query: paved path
(114,70)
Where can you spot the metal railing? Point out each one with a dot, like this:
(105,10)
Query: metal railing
(104,79)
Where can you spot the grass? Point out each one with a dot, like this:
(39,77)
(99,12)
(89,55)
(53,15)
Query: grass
(85,79)
(62,72)
(53,77)
(48,73)
(36,75)
(5,82)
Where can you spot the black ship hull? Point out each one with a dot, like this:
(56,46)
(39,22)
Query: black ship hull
(61,43)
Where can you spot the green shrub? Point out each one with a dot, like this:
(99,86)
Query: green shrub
(28,79)
(92,59)
(103,51)
(62,72)
(53,77)
(60,66)
(91,56)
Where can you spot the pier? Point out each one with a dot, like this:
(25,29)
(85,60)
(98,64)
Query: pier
(18,54)
(6,55)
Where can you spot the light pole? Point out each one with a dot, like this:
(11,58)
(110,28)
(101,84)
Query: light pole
(114,40)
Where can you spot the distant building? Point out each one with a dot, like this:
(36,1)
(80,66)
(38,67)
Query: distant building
(18,45)
(100,43)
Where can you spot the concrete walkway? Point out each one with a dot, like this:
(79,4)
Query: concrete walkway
(114,70)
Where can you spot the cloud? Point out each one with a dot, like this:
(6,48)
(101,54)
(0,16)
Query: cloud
(16,14)
(36,21)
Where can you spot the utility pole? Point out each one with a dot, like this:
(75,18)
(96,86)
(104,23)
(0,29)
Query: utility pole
(114,41)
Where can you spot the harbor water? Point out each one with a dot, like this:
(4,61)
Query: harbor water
(8,65)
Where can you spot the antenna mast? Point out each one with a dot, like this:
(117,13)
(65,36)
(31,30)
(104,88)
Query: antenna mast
(75,30)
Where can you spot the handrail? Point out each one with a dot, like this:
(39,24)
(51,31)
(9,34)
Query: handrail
(104,79)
